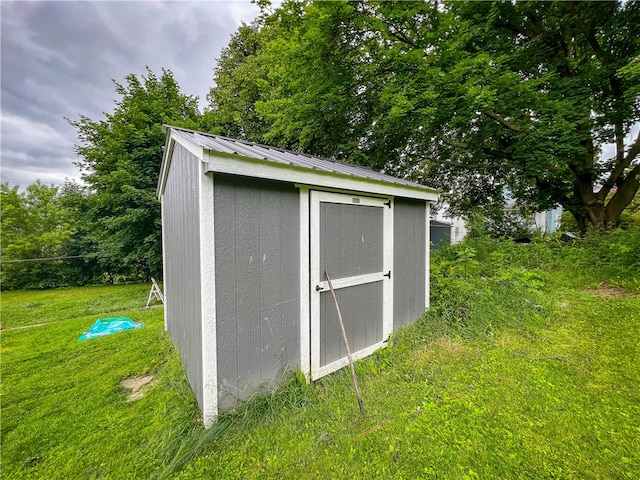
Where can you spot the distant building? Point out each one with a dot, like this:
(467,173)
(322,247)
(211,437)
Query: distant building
(545,222)
(458,225)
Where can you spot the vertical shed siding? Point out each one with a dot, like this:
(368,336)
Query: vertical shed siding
(182,267)
(257,283)
(351,240)
(409,258)
(351,244)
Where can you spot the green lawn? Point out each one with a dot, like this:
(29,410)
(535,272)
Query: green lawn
(517,371)
(24,308)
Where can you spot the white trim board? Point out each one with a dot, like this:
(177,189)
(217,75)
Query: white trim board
(163,233)
(305,319)
(427,241)
(208,299)
(344,361)
(251,167)
(237,164)
(351,281)
(387,291)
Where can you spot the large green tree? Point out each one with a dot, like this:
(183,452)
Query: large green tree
(120,158)
(531,94)
(38,226)
(239,77)
(476,98)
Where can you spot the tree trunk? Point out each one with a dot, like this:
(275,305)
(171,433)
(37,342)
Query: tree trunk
(595,214)
(623,196)
(591,216)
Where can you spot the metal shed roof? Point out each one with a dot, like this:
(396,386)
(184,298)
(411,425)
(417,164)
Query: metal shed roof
(216,149)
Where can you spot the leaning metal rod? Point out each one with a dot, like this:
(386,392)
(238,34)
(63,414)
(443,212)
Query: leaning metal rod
(346,344)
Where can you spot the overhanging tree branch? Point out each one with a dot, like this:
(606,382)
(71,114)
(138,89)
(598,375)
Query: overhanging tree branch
(503,121)
(587,32)
(455,143)
(620,167)
(514,29)
(486,150)
(633,151)
(464,165)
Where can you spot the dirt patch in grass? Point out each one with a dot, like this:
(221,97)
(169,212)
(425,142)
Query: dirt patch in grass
(444,347)
(24,326)
(607,290)
(450,345)
(138,386)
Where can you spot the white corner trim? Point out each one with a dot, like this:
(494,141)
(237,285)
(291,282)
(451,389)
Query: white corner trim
(427,273)
(387,290)
(208,298)
(314,269)
(163,229)
(305,319)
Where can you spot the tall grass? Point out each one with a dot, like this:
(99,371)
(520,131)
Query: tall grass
(516,371)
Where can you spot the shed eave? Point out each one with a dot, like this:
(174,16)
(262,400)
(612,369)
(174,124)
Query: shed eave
(235,164)
(174,136)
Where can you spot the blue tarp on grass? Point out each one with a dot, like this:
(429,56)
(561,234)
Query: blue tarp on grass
(107,326)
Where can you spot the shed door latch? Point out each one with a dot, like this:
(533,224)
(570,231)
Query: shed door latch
(388,275)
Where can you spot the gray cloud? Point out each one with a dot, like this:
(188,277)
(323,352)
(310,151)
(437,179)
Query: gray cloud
(59,59)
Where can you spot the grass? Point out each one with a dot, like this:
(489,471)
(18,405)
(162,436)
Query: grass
(519,370)
(26,308)
(64,412)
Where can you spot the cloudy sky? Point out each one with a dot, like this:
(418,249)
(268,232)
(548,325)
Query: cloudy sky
(58,59)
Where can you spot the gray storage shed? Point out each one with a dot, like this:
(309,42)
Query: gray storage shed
(248,232)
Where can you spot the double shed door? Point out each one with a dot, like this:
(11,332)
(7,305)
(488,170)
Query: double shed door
(351,239)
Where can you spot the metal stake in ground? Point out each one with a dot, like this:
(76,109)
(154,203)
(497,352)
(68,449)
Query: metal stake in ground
(346,344)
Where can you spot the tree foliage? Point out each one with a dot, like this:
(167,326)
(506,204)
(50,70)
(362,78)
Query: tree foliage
(473,97)
(239,73)
(120,161)
(40,222)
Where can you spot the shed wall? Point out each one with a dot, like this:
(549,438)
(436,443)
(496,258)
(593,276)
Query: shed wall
(409,260)
(182,263)
(257,284)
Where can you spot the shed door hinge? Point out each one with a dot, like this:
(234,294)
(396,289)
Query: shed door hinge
(388,275)
(388,204)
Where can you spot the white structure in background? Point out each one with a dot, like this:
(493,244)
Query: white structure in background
(458,225)
(545,222)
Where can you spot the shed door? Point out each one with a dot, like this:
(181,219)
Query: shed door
(351,239)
